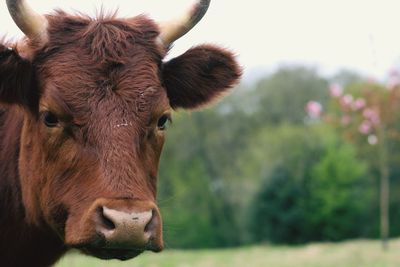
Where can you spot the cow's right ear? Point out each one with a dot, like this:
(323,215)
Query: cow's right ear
(17,79)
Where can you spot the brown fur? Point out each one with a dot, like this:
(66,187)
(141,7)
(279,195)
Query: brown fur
(106,82)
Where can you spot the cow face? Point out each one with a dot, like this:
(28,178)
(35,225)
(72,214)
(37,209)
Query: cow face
(97,98)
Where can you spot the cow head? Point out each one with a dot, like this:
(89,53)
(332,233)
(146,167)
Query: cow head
(96,97)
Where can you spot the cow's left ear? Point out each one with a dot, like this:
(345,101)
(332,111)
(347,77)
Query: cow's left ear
(200,76)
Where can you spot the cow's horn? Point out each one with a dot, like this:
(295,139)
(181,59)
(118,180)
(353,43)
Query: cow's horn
(176,28)
(32,24)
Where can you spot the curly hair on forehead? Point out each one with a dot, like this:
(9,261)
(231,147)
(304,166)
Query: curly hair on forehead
(104,38)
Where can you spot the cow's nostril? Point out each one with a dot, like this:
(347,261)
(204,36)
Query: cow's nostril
(152,224)
(106,222)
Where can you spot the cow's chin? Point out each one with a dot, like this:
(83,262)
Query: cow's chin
(96,247)
(108,254)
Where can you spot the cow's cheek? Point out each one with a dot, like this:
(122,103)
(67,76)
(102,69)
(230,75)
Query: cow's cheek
(67,176)
(47,183)
(31,165)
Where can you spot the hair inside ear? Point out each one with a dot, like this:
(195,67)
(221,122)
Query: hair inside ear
(17,79)
(7,51)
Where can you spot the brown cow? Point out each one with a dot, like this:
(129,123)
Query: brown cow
(84,107)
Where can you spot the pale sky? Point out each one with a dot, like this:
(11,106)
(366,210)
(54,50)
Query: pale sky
(363,35)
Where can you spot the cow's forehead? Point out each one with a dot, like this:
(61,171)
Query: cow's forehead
(103,63)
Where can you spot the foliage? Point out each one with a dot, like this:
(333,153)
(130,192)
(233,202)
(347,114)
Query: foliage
(278,212)
(338,195)
(282,97)
(196,211)
(317,195)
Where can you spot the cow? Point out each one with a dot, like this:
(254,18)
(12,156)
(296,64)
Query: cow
(84,107)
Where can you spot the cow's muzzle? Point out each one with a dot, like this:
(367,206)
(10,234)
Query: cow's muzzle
(121,229)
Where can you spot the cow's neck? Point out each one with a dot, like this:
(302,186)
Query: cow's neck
(21,244)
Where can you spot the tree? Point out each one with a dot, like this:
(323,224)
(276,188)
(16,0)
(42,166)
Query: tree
(339,198)
(278,214)
(314,192)
(281,98)
(369,112)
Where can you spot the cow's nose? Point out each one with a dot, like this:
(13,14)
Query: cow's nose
(130,229)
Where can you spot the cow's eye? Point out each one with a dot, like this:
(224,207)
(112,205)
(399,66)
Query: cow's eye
(50,119)
(163,122)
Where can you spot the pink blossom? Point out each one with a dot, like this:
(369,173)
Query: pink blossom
(371,80)
(359,104)
(365,127)
(394,72)
(346,119)
(347,100)
(371,115)
(393,82)
(314,109)
(335,90)
(394,79)
(372,139)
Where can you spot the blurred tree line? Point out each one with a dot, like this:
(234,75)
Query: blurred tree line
(256,168)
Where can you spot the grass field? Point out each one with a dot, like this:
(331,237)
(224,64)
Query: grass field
(360,253)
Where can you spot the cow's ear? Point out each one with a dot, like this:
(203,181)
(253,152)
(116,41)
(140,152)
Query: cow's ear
(200,76)
(17,81)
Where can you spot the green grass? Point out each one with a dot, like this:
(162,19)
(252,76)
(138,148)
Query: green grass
(360,253)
